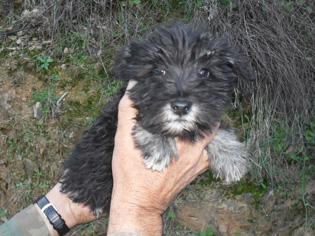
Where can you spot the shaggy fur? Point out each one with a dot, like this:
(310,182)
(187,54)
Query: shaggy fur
(184,79)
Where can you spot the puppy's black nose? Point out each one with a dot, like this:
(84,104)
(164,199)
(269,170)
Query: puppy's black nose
(181,107)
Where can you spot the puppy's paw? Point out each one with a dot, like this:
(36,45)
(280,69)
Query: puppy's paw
(157,161)
(228,157)
(157,150)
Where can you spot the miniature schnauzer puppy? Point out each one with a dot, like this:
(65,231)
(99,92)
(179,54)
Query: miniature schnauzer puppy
(184,79)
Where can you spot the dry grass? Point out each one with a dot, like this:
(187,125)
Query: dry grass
(278,37)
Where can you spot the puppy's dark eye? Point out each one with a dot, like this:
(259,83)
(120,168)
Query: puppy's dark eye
(158,72)
(204,73)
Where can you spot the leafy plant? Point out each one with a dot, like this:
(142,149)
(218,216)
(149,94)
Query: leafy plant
(43,62)
(55,78)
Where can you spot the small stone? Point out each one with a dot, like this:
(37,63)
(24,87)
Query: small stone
(46,42)
(20,33)
(63,66)
(30,65)
(35,11)
(19,41)
(12,38)
(38,47)
(26,13)
(71,135)
(37,110)
(19,157)
(66,50)
(13,66)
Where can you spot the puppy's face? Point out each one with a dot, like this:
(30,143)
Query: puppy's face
(185,79)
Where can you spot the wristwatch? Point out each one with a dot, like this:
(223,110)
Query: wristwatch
(52,215)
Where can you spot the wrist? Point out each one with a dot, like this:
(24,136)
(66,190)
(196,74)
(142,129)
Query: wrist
(132,218)
(72,213)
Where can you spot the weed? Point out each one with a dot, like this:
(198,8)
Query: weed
(112,88)
(237,233)
(309,133)
(257,191)
(12,147)
(278,139)
(206,179)
(43,62)
(135,2)
(225,2)
(48,98)
(45,95)
(55,78)
(208,232)
(170,215)
(3,213)
(38,174)
(43,185)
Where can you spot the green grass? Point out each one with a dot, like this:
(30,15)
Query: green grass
(170,215)
(48,98)
(208,232)
(242,187)
(3,213)
(112,88)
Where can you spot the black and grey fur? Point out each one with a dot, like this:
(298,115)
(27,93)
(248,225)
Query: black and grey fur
(184,79)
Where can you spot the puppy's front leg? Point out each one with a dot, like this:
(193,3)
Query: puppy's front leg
(228,156)
(157,150)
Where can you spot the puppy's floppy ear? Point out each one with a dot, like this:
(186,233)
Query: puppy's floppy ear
(220,47)
(236,60)
(241,66)
(121,63)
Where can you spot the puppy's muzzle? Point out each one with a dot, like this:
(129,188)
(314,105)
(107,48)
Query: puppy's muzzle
(181,107)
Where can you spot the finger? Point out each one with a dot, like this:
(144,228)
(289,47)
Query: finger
(209,137)
(200,167)
(203,163)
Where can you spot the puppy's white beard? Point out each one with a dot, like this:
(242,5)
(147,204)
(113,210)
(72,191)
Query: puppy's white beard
(177,124)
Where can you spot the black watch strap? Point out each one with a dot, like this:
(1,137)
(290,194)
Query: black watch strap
(52,215)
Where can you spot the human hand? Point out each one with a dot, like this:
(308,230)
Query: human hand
(141,195)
